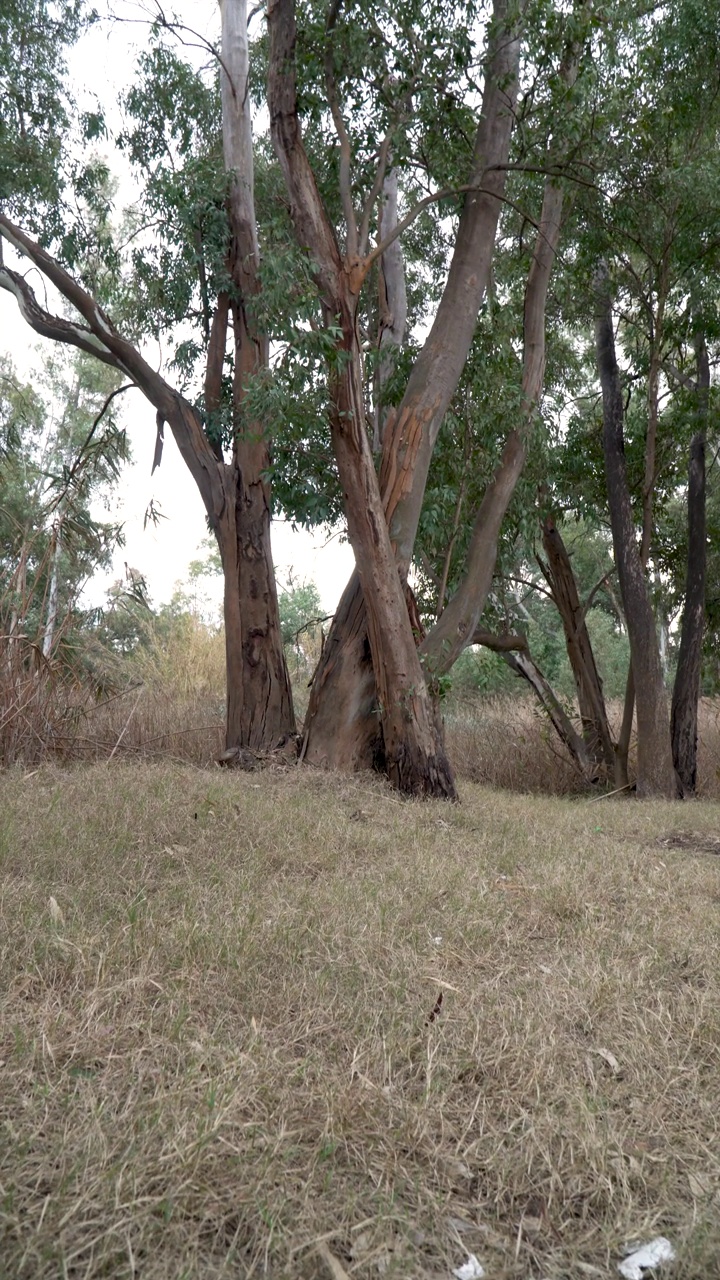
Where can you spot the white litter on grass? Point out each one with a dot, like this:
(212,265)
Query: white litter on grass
(56,914)
(645,1258)
(470,1270)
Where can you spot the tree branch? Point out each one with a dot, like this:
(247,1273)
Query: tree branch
(341,131)
(444,194)
(313,226)
(505,643)
(50,326)
(102,340)
(81,452)
(374,192)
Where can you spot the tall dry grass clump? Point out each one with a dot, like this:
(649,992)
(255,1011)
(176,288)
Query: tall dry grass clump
(166,699)
(508,742)
(288,1026)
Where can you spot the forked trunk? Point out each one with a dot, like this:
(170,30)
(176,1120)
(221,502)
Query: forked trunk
(655,772)
(686,692)
(413,750)
(338,724)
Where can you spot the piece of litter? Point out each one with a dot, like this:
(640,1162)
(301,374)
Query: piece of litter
(470,1270)
(610,1059)
(56,914)
(437,940)
(645,1258)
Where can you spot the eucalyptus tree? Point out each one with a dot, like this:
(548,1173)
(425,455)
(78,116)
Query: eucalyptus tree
(219,238)
(351,684)
(62,449)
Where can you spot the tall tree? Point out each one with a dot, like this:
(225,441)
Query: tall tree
(414,754)
(341,724)
(235,493)
(655,772)
(686,689)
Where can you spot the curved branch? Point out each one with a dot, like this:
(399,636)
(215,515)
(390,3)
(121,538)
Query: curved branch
(444,194)
(374,192)
(50,326)
(101,339)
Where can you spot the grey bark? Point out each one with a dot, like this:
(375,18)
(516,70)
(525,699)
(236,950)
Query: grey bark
(392,303)
(686,691)
(655,775)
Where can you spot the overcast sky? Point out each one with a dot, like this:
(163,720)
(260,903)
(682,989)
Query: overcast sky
(101,67)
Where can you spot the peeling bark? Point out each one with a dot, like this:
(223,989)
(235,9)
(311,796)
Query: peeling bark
(413,751)
(392,303)
(339,722)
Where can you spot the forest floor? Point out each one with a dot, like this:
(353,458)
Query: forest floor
(286,1025)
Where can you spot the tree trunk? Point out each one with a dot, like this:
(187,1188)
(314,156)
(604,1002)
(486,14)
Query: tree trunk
(52,609)
(392,304)
(413,750)
(412,746)
(656,776)
(591,701)
(259,703)
(339,722)
(686,691)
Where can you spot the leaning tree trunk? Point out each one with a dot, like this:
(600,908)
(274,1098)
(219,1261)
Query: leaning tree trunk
(413,749)
(591,700)
(655,772)
(340,724)
(686,691)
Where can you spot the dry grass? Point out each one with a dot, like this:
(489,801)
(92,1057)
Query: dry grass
(509,743)
(218,1055)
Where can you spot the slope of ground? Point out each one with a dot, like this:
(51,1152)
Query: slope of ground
(286,1025)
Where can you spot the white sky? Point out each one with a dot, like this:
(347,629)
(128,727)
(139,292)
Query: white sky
(101,67)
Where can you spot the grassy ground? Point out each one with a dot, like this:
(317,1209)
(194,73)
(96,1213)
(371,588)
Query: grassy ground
(288,1025)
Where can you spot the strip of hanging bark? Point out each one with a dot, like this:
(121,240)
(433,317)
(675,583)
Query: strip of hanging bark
(588,685)
(656,775)
(686,690)
(214,364)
